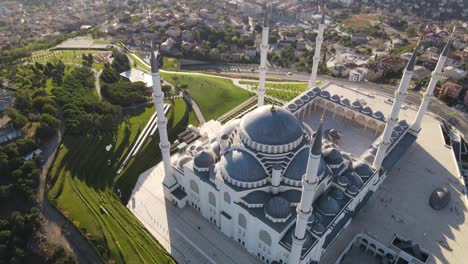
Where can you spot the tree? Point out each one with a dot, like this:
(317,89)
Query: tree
(17,119)
(214,54)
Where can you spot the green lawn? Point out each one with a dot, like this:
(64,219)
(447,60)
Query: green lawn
(83,183)
(170,64)
(291,90)
(215,96)
(67,56)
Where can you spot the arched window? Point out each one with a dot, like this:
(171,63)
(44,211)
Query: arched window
(227,198)
(265,237)
(242,221)
(194,186)
(212,199)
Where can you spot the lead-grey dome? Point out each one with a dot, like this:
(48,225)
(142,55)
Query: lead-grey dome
(356,104)
(345,102)
(366,110)
(332,156)
(316,90)
(328,205)
(362,169)
(440,198)
(278,207)
(204,159)
(298,166)
(378,115)
(335,98)
(243,167)
(325,94)
(271,126)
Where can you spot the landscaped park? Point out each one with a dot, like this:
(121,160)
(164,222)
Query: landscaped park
(84,185)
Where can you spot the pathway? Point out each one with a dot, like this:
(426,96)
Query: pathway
(195,108)
(57,228)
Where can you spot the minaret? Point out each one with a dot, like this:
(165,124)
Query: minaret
(316,59)
(416,127)
(304,208)
(392,119)
(263,60)
(158,97)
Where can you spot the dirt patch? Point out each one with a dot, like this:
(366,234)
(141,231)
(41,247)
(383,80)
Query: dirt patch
(361,21)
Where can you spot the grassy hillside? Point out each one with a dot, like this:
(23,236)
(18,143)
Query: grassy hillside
(215,96)
(84,187)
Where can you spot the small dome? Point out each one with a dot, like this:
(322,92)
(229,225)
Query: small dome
(317,90)
(298,102)
(243,167)
(311,94)
(305,98)
(314,218)
(335,98)
(325,94)
(362,169)
(278,207)
(345,102)
(292,106)
(378,115)
(395,135)
(182,161)
(398,129)
(204,159)
(318,228)
(342,181)
(403,123)
(356,105)
(352,189)
(332,156)
(366,110)
(271,126)
(199,148)
(328,206)
(440,198)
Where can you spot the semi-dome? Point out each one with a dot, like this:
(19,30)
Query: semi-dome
(183,160)
(362,169)
(278,208)
(204,159)
(243,167)
(403,123)
(398,129)
(270,125)
(328,206)
(298,166)
(216,149)
(332,156)
(229,127)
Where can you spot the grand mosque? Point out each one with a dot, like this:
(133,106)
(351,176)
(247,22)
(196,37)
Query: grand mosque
(285,181)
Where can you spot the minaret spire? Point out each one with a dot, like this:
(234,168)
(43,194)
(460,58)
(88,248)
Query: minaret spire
(318,47)
(309,186)
(436,74)
(262,69)
(158,97)
(400,96)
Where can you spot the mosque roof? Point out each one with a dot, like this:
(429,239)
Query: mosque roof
(271,126)
(332,156)
(278,207)
(204,159)
(362,169)
(242,166)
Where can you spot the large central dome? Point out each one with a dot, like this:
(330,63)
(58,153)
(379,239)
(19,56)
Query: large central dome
(273,126)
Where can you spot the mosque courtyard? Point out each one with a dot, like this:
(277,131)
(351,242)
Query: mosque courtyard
(400,206)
